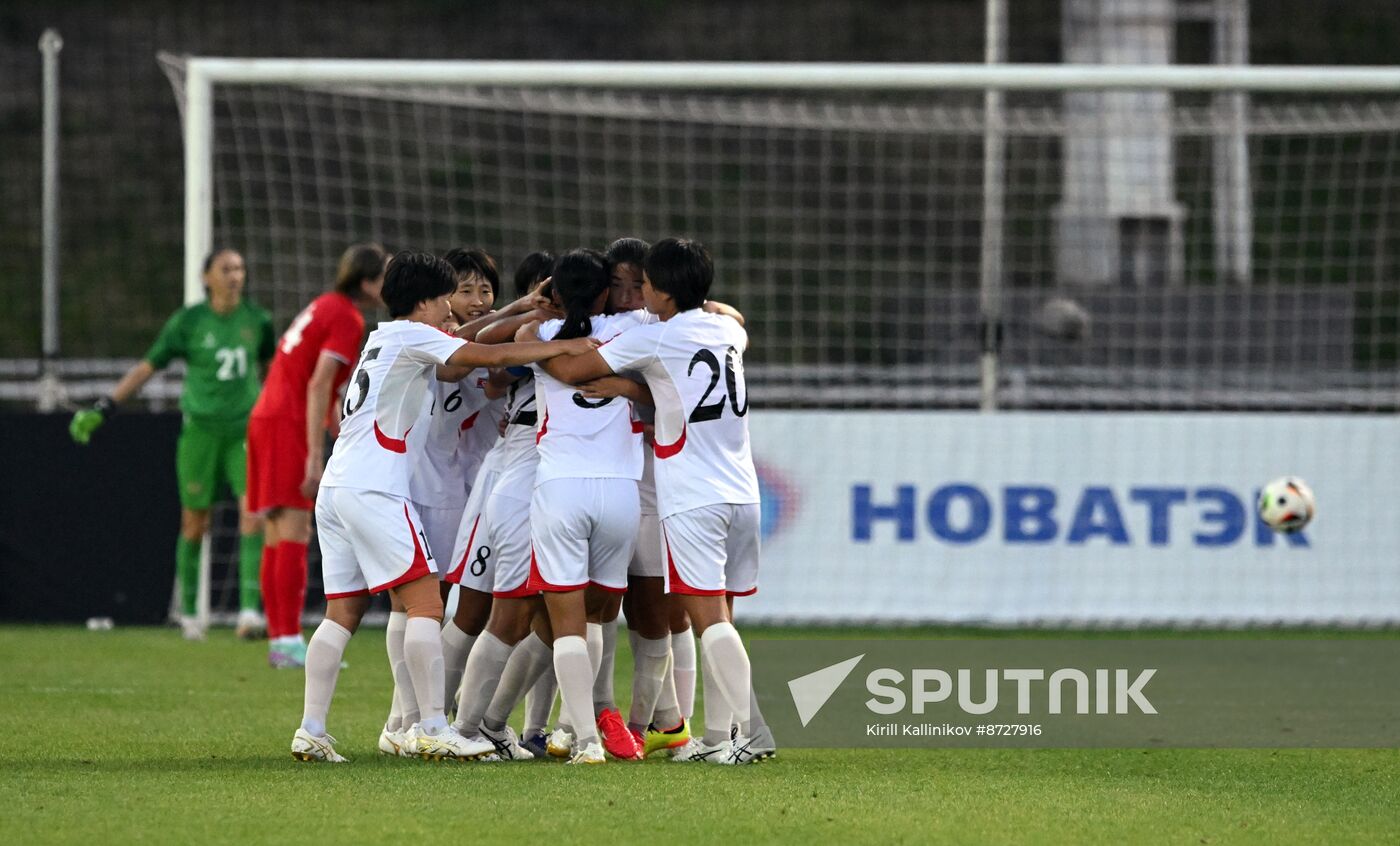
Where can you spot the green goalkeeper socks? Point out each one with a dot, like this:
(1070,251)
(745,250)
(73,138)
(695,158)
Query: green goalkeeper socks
(250,548)
(187,568)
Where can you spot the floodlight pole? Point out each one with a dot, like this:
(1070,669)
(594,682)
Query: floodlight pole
(51,389)
(993,210)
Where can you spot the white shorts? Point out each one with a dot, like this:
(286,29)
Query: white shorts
(470,564)
(509,521)
(582,531)
(712,551)
(647,559)
(370,541)
(440,527)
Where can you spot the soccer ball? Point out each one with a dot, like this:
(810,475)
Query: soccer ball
(1286,504)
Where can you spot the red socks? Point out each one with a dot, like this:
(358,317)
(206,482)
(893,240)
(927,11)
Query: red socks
(284,588)
(267,579)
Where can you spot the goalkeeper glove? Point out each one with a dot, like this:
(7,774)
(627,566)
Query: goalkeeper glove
(88,420)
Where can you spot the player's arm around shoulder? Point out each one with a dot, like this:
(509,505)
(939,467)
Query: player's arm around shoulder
(508,355)
(722,309)
(504,330)
(608,387)
(578,365)
(452,373)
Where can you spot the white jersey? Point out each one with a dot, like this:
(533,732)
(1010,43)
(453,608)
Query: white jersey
(440,475)
(478,438)
(580,438)
(383,400)
(518,456)
(694,365)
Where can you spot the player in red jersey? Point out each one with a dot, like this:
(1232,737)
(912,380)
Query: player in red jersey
(286,436)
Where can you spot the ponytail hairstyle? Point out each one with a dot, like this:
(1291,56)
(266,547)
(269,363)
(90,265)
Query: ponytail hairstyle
(580,277)
(359,263)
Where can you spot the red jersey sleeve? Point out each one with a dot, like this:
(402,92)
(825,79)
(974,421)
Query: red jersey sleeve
(344,334)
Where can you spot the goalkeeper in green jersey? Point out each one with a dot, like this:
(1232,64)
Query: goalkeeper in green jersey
(223,341)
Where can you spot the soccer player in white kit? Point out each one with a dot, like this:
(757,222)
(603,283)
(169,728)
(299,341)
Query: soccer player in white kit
(707,488)
(654,669)
(471,564)
(457,427)
(492,554)
(584,512)
(370,534)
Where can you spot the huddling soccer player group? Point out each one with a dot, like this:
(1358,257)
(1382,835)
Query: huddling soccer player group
(580,451)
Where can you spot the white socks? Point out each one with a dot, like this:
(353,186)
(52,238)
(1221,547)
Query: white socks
(323,656)
(651,662)
(667,713)
(540,701)
(575,673)
(603,682)
(718,717)
(422,651)
(485,665)
(595,649)
(393,644)
(683,670)
(530,659)
(727,664)
(456,645)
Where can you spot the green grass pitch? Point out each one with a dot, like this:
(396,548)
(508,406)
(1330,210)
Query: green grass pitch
(136,736)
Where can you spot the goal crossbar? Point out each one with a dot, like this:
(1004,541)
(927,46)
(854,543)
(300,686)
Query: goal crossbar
(205,72)
(800,75)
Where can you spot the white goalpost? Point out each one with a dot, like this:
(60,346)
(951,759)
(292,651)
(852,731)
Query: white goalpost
(1097,255)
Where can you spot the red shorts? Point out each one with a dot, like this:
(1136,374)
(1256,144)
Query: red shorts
(276,464)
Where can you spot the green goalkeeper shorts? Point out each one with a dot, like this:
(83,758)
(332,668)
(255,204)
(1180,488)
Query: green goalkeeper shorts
(205,456)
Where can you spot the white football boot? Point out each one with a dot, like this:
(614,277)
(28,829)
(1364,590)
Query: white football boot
(449,745)
(507,744)
(751,750)
(560,743)
(191,628)
(393,743)
(591,753)
(309,747)
(695,751)
(250,625)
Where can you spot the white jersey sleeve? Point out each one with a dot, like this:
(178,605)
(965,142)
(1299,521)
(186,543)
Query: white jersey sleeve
(694,365)
(383,401)
(633,350)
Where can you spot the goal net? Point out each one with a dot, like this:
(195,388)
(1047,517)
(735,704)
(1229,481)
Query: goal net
(1163,290)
